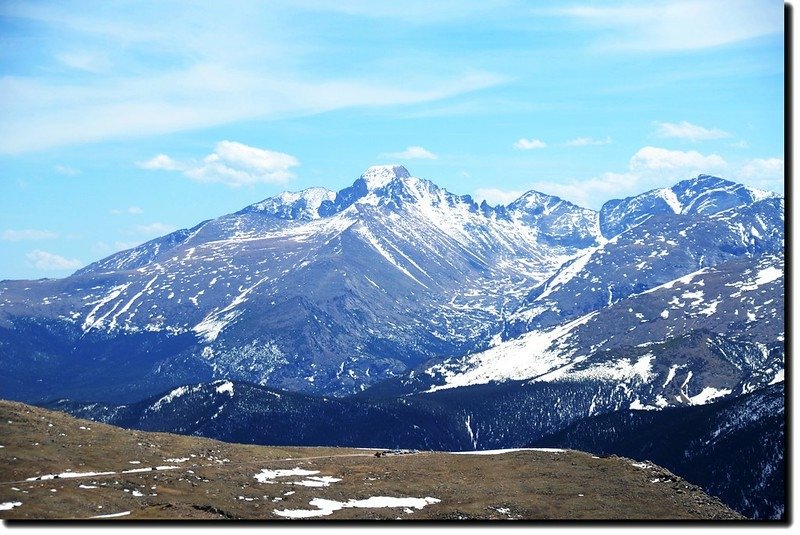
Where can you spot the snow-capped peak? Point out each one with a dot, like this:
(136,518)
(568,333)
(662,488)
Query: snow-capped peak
(537,201)
(709,194)
(378,176)
(303,204)
(534,197)
(312,196)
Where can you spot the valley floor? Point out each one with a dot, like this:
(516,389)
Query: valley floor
(53,466)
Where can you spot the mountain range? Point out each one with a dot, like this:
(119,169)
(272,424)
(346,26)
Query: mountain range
(331,293)
(405,315)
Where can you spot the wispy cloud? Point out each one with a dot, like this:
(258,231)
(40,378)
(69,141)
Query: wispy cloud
(46,261)
(767,168)
(233,164)
(216,67)
(675,161)
(586,141)
(674,25)
(66,170)
(131,210)
(414,11)
(27,235)
(412,153)
(764,173)
(687,130)
(495,196)
(194,98)
(528,144)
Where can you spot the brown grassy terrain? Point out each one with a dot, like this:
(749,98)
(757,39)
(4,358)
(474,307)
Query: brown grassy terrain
(178,477)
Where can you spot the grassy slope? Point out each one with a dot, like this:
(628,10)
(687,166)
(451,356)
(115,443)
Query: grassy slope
(217,480)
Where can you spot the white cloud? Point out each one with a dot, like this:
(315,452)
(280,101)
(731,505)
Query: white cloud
(412,153)
(199,97)
(51,262)
(139,70)
(154,229)
(586,141)
(66,170)
(741,144)
(762,169)
(133,210)
(27,235)
(674,162)
(160,162)
(528,144)
(495,196)
(233,164)
(767,173)
(687,130)
(679,24)
(215,67)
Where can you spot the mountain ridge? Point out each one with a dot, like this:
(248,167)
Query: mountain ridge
(319,202)
(333,293)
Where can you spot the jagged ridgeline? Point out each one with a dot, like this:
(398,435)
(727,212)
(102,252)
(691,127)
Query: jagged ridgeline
(395,284)
(394,313)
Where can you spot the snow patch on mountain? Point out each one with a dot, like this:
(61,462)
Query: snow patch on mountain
(325,507)
(531,355)
(127,306)
(684,280)
(567,273)
(173,395)
(620,371)
(209,329)
(224,387)
(778,378)
(671,199)
(96,323)
(371,239)
(709,394)
(764,276)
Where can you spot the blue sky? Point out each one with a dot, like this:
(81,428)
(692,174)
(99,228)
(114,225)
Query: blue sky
(122,121)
